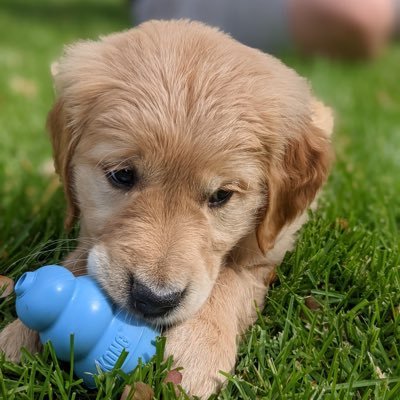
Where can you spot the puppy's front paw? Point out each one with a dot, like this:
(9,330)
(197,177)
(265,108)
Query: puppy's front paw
(17,335)
(203,348)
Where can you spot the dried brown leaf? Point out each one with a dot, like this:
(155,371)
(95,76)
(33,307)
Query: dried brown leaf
(6,286)
(139,391)
(174,377)
(312,304)
(23,86)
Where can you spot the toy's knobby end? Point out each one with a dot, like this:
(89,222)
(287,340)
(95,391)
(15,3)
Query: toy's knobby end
(42,295)
(24,283)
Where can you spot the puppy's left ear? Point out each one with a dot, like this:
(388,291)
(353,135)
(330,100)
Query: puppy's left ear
(295,179)
(63,147)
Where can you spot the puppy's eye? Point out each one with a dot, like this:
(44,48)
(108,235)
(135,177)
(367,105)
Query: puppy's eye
(219,198)
(122,178)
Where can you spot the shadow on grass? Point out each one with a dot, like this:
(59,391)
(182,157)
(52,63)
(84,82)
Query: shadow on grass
(73,13)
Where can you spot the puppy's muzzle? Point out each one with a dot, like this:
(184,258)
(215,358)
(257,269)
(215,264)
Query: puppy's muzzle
(150,304)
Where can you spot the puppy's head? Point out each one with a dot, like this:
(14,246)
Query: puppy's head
(174,143)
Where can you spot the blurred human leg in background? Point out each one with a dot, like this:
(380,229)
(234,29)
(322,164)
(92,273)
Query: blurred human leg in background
(347,28)
(256,23)
(344,28)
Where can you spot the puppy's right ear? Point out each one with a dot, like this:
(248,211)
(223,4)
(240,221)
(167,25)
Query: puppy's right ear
(298,176)
(63,147)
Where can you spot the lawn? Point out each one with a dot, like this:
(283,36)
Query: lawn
(331,326)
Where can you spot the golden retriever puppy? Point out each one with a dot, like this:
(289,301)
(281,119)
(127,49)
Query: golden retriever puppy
(190,160)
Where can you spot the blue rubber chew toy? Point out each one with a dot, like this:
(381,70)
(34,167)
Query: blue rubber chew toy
(52,301)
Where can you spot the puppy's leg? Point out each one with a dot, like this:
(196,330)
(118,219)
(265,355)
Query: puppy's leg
(207,343)
(17,335)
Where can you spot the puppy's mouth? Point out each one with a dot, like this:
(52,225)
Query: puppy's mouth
(161,305)
(152,305)
(157,306)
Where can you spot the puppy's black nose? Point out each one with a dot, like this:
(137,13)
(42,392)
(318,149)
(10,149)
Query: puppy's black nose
(151,304)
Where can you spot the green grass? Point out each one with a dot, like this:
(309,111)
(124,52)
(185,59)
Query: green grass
(347,258)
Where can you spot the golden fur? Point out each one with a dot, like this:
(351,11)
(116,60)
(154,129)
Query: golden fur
(193,111)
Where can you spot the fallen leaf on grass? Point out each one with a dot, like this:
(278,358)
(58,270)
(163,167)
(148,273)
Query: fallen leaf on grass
(139,391)
(6,286)
(312,304)
(385,99)
(174,377)
(343,223)
(23,86)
